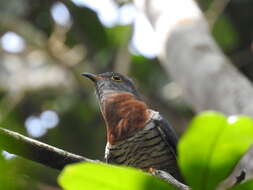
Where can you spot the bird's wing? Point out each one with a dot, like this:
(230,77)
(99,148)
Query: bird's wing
(167,132)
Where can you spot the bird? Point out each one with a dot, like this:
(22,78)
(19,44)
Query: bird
(137,136)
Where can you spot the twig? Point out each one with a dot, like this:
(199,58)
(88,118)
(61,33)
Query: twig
(170,179)
(53,157)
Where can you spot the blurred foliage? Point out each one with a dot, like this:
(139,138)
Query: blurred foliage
(220,142)
(119,35)
(90,29)
(46,76)
(107,177)
(225,34)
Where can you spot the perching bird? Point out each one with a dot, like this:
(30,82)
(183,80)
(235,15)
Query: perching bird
(136,135)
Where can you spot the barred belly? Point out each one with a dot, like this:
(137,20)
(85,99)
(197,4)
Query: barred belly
(146,149)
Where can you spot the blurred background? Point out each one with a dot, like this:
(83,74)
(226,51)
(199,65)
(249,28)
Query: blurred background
(46,44)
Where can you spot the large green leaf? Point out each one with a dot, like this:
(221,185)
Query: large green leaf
(108,177)
(212,146)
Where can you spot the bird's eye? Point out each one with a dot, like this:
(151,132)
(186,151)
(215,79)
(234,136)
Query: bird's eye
(116,78)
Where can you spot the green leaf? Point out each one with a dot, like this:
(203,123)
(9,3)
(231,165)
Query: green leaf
(212,146)
(244,186)
(108,177)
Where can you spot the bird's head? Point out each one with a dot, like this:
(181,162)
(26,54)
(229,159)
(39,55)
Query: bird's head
(112,82)
(121,105)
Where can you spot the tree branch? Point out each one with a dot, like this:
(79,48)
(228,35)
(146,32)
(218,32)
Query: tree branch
(53,157)
(34,150)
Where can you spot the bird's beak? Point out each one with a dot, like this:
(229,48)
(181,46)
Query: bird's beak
(92,77)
